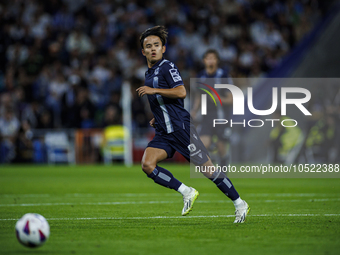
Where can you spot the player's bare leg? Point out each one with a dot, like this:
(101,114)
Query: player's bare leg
(222,148)
(206,140)
(151,157)
(165,178)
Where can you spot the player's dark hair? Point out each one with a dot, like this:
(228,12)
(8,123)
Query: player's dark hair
(159,31)
(211,51)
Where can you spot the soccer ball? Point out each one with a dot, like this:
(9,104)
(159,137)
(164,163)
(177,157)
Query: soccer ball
(32,230)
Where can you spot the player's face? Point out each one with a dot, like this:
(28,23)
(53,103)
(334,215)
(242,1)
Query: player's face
(153,49)
(210,60)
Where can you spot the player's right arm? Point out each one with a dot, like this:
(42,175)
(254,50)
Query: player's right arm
(228,99)
(173,93)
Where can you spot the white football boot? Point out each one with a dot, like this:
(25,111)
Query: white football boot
(241,212)
(189,201)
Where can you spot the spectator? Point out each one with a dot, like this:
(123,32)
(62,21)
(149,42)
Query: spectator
(77,40)
(57,88)
(228,52)
(86,120)
(17,54)
(9,127)
(82,102)
(39,23)
(68,101)
(32,113)
(112,116)
(99,77)
(247,57)
(63,20)
(24,146)
(45,120)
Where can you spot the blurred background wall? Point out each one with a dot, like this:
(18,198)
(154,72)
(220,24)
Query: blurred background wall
(63,64)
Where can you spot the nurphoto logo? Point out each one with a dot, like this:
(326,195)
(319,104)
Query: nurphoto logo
(239,104)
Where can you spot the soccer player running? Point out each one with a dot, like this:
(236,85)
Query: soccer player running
(212,71)
(174,132)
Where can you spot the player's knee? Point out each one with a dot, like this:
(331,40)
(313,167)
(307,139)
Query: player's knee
(148,166)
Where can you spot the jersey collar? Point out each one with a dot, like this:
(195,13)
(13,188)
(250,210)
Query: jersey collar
(156,65)
(218,70)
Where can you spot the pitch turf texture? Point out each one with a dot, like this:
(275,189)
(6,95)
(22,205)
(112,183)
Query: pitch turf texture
(118,210)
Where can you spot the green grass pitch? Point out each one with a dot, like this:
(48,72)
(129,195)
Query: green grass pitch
(118,210)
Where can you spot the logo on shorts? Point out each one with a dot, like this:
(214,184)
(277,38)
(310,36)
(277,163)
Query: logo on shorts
(192,147)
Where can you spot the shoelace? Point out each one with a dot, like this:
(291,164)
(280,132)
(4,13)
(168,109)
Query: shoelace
(186,199)
(237,212)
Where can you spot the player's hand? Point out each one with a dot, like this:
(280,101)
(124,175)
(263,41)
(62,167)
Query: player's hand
(145,90)
(152,122)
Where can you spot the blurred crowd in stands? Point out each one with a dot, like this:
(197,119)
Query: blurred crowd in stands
(63,62)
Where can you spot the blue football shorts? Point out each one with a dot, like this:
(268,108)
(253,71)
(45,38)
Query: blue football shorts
(186,141)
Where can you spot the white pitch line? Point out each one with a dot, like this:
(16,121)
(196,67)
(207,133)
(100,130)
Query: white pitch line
(90,195)
(287,194)
(159,194)
(25,195)
(299,200)
(98,203)
(187,217)
(167,202)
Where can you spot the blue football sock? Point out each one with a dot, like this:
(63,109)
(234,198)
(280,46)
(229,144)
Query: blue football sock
(163,177)
(224,184)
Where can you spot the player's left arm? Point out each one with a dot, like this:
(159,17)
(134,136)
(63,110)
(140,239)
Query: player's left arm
(228,98)
(178,92)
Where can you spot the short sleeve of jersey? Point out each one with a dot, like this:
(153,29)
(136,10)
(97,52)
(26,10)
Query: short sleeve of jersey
(171,75)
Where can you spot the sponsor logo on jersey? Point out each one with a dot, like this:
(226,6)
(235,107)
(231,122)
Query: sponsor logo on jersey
(175,75)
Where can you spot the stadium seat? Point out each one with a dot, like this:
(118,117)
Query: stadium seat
(59,149)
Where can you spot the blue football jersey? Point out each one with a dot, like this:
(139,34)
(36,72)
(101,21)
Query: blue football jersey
(169,114)
(216,78)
